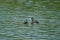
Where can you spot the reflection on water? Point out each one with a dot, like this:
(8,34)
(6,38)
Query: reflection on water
(14,12)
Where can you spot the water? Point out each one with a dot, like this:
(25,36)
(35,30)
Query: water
(14,12)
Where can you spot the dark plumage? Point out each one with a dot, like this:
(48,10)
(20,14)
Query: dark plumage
(26,22)
(37,22)
(31,20)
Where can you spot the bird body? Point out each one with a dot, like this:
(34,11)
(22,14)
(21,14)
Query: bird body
(31,20)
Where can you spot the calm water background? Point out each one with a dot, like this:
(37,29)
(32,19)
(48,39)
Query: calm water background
(14,12)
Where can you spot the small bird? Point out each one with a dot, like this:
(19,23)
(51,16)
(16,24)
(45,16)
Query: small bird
(31,20)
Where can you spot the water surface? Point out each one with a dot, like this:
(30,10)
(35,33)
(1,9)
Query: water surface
(14,12)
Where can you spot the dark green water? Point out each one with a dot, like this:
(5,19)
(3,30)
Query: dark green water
(14,12)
